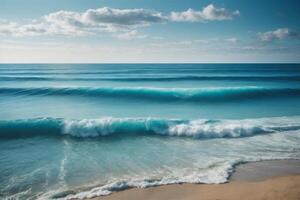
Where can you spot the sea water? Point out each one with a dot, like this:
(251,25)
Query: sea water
(84,130)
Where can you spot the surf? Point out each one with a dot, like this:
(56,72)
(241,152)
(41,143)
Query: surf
(107,126)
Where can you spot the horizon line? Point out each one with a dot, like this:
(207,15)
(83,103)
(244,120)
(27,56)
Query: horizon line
(3,63)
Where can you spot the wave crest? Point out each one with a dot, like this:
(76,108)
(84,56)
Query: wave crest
(162,94)
(198,129)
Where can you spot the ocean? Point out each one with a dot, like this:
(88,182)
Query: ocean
(85,130)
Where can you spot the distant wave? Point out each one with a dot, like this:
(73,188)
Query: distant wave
(140,78)
(218,94)
(197,129)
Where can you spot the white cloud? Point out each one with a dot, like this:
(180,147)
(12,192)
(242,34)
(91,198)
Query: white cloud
(106,19)
(125,17)
(279,34)
(90,21)
(45,26)
(12,28)
(208,13)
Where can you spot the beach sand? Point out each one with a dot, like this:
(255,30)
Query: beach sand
(269,180)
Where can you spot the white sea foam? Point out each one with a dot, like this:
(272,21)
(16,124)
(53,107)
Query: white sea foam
(215,170)
(216,174)
(187,128)
(198,128)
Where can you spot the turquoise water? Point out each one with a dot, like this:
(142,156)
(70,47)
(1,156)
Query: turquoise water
(91,129)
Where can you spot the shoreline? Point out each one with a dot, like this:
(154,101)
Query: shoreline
(273,179)
(263,170)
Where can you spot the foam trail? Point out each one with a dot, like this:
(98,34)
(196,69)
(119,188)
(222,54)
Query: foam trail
(62,168)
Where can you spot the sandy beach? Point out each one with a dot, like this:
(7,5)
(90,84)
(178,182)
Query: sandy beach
(268,180)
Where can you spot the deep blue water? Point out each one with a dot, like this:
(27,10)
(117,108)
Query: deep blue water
(90,129)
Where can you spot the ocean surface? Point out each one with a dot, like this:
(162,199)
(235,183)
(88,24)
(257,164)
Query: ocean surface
(85,130)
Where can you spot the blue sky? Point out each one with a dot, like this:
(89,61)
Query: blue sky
(149,31)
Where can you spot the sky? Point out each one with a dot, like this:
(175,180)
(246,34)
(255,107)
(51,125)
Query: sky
(149,31)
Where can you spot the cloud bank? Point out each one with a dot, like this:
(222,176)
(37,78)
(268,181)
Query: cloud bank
(108,19)
(88,22)
(279,34)
(208,13)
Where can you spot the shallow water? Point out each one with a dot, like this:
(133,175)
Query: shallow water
(88,130)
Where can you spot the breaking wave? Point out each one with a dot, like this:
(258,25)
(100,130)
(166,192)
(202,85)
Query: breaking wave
(197,129)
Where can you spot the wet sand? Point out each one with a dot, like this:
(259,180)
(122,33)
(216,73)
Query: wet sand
(269,180)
